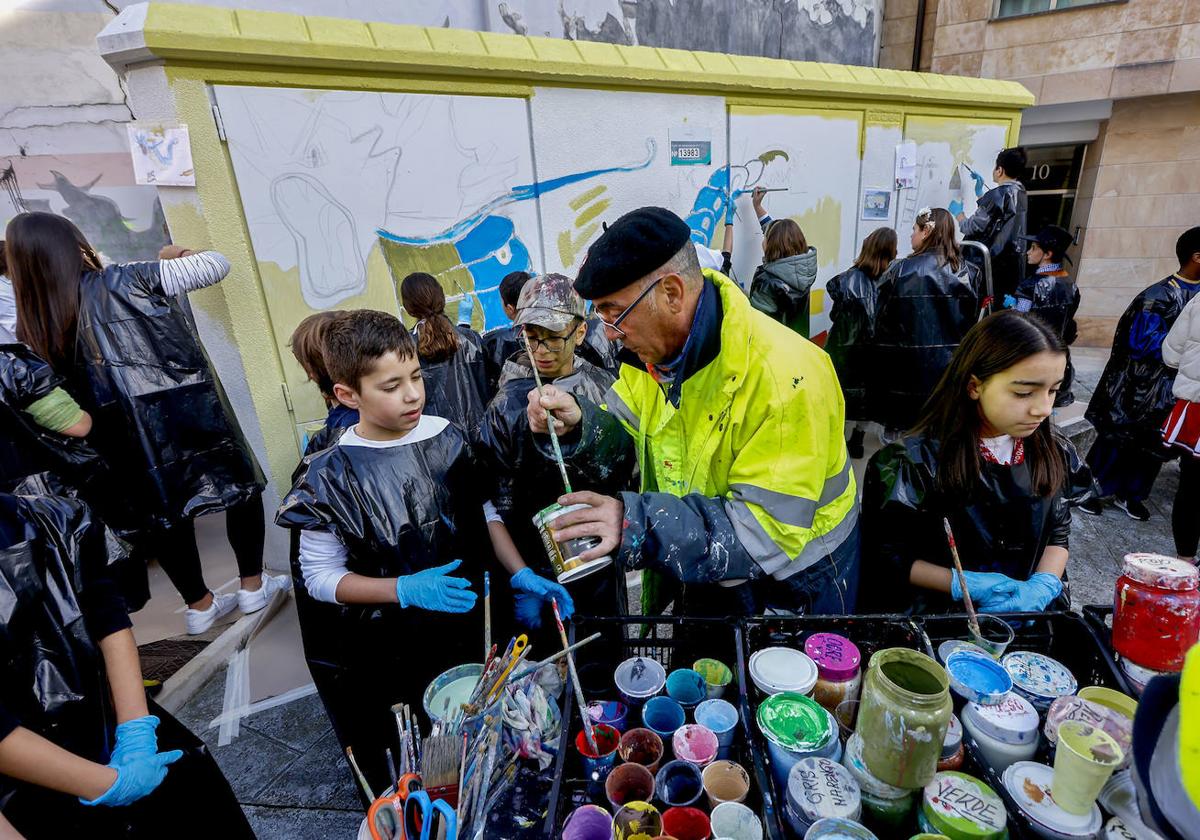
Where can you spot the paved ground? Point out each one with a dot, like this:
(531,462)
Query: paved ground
(286,768)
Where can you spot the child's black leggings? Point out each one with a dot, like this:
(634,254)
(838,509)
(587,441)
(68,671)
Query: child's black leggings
(179,557)
(1185,513)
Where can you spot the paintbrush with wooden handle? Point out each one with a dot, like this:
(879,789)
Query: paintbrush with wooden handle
(972,620)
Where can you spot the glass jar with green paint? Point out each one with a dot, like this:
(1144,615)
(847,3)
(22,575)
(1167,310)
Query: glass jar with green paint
(904,713)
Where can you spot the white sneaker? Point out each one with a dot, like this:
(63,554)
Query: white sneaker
(250,602)
(198,621)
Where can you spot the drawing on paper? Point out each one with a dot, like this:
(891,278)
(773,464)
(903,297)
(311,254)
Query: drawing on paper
(162,155)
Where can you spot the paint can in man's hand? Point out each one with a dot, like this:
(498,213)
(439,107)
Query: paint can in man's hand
(564,555)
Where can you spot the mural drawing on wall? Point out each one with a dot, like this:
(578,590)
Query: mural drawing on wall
(942,144)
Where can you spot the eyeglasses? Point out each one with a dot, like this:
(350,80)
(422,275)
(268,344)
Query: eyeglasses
(553,343)
(615,324)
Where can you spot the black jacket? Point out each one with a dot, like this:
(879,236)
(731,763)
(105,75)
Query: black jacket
(499,345)
(780,288)
(1055,300)
(924,310)
(457,388)
(997,223)
(1004,526)
(597,349)
(854,296)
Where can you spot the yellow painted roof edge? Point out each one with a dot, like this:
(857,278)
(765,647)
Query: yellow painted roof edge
(209,35)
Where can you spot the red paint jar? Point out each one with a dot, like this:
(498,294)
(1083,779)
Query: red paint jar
(1156,613)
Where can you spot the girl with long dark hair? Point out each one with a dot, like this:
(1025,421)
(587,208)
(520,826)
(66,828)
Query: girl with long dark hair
(129,356)
(781,285)
(986,456)
(452,360)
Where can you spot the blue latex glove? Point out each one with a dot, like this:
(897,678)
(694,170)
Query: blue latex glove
(1009,301)
(528,608)
(526,581)
(980,188)
(466,307)
(136,738)
(434,589)
(138,777)
(1034,595)
(988,589)
(955,207)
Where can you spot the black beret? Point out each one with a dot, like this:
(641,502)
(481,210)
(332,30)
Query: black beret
(629,249)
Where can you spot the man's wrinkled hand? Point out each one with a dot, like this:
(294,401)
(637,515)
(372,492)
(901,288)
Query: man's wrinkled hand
(602,518)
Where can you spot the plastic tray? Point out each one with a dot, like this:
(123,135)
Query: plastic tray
(1099,618)
(674,643)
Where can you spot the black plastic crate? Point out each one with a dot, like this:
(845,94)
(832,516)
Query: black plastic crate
(675,643)
(1100,617)
(869,632)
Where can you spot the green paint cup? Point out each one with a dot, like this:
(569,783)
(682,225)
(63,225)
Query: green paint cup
(1083,763)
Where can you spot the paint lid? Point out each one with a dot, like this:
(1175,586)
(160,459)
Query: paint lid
(837,829)
(1160,571)
(1028,783)
(1012,721)
(795,722)
(1039,676)
(820,787)
(953,739)
(963,808)
(777,669)
(977,677)
(1116,830)
(868,783)
(950,645)
(640,677)
(837,657)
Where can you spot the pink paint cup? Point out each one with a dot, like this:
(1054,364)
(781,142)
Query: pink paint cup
(695,744)
(686,824)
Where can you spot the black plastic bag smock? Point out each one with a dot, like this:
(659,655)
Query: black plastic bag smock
(499,345)
(160,416)
(925,308)
(854,296)
(1055,300)
(397,510)
(457,388)
(597,349)
(997,223)
(1134,396)
(1004,526)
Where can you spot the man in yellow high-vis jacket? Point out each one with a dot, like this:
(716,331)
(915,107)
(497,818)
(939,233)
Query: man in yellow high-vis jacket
(736,424)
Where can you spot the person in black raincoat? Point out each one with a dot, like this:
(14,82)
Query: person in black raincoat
(999,221)
(452,359)
(500,343)
(854,295)
(386,516)
(986,457)
(552,313)
(160,417)
(927,303)
(781,285)
(83,753)
(1051,294)
(1134,396)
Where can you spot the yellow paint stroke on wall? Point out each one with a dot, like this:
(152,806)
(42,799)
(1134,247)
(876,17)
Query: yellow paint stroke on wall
(592,212)
(816,302)
(583,198)
(958,133)
(442,260)
(822,226)
(570,246)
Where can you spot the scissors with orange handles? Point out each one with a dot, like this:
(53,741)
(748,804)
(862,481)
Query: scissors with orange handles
(385,818)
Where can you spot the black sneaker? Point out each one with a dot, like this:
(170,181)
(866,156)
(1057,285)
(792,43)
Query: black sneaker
(1135,510)
(1093,506)
(855,444)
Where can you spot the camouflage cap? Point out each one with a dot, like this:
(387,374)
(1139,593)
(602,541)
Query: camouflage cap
(550,301)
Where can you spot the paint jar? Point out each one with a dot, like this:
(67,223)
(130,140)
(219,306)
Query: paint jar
(846,715)
(835,829)
(445,695)
(679,783)
(953,752)
(995,635)
(962,808)
(725,781)
(734,821)
(839,676)
(663,716)
(1038,678)
(686,687)
(1083,763)
(1136,675)
(1156,617)
(1005,733)
(817,789)
(978,678)
(598,763)
(641,746)
(795,727)
(1093,714)
(636,818)
(588,822)
(777,669)
(638,679)
(885,805)
(564,555)
(722,718)
(1115,829)
(903,717)
(612,712)
(1028,783)
(695,743)
(629,783)
(717,676)
(686,824)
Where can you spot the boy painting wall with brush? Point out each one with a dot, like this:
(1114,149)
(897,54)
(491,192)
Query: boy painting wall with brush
(393,541)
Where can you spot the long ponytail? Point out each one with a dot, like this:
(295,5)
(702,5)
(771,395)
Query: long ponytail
(423,298)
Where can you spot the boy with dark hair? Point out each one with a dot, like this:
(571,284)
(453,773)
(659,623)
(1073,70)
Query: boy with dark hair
(1134,396)
(386,516)
(500,344)
(999,220)
(1051,294)
(308,346)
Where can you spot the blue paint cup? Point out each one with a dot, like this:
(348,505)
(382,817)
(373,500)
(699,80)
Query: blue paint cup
(612,712)
(679,784)
(722,718)
(662,716)
(686,687)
